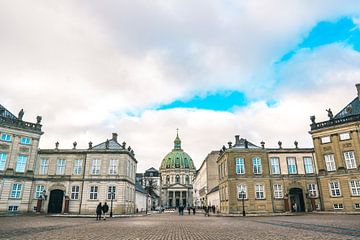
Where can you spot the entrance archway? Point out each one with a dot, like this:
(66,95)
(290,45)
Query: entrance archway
(296,198)
(56,201)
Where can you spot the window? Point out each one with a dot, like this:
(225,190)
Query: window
(113,165)
(60,166)
(355,187)
(75,192)
(43,167)
(93,192)
(291,161)
(25,140)
(3,157)
(335,189)
(16,190)
(187,179)
(357,205)
(338,206)
(257,165)
(240,166)
(177,179)
(350,160)
(21,163)
(177,162)
(275,166)
(344,136)
(13,208)
(111,191)
(6,137)
(259,191)
(325,139)
(308,165)
(38,191)
(77,167)
(278,191)
(95,167)
(330,162)
(242,191)
(168,179)
(312,189)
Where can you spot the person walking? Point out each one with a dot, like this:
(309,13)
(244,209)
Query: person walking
(98,211)
(105,209)
(194,210)
(189,209)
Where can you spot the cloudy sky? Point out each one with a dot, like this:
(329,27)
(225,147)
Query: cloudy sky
(213,69)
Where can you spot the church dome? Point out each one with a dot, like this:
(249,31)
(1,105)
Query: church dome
(177,158)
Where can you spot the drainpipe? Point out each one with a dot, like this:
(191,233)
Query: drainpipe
(82,185)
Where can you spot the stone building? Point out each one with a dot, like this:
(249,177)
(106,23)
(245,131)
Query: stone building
(266,180)
(19,141)
(177,172)
(337,148)
(61,180)
(206,181)
(150,181)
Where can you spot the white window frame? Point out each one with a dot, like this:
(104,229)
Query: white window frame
(16,189)
(275,165)
(354,187)
(357,205)
(95,167)
(350,160)
(6,137)
(111,189)
(338,206)
(21,163)
(344,136)
(3,157)
(325,139)
(25,140)
(291,163)
(113,166)
(308,165)
(44,164)
(77,167)
(330,162)
(334,188)
(259,191)
(75,190)
(257,166)
(312,190)
(278,191)
(93,192)
(60,167)
(39,191)
(242,187)
(13,208)
(240,165)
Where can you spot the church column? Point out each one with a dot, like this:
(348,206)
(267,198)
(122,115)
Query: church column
(173,199)
(181,197)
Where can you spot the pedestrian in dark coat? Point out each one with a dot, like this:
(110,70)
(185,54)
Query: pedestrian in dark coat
(105,209)
(194,210)
(189,210)
(98,211)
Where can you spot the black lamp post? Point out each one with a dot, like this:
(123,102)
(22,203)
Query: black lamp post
(242,199)
(111,205)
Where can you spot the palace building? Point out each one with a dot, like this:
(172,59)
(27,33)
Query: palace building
(62,180)
(177,174)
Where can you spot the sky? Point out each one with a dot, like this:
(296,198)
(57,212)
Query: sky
(212,69)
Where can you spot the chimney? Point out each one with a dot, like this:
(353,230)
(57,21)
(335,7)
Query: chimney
(114,137)
(358,90)
(237,140)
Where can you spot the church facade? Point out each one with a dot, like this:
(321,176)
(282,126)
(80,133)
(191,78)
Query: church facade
(177,174)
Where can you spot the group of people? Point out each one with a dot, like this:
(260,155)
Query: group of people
(190,209)
(101,209)
(209,209)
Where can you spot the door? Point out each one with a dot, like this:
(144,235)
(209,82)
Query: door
(296,200)
(56,201)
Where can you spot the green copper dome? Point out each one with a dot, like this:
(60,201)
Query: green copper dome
(177,158)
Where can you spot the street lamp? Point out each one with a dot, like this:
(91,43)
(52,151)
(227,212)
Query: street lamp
(111,205)
(242,199)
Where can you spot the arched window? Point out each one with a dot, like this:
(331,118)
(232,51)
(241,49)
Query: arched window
(177,179)
(186,162)
(167,179)
(177,163)
(187,179)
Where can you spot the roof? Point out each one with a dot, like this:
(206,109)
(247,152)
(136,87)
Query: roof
(243,143)
(6,113)
(214,189)
(152,170)
(139,188)
(353,108)
(112,145)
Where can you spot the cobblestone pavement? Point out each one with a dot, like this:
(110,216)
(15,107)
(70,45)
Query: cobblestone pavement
(172,226)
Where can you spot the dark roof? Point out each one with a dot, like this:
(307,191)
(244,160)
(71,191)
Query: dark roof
(353,108)
(242,142)
(152,170)
(139,188)
(113,145)
(6,113)
(214,189)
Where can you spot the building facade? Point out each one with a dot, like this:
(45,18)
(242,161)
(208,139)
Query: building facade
(337,148)
(177,172)
(62,180)
(262,180)
(150,181)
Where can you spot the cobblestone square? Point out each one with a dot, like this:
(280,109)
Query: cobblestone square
(172,226)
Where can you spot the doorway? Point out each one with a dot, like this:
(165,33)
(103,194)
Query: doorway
(56,201)
(296,200)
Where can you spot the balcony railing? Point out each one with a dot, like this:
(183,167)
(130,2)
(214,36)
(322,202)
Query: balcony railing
(335,121)
(20,124)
